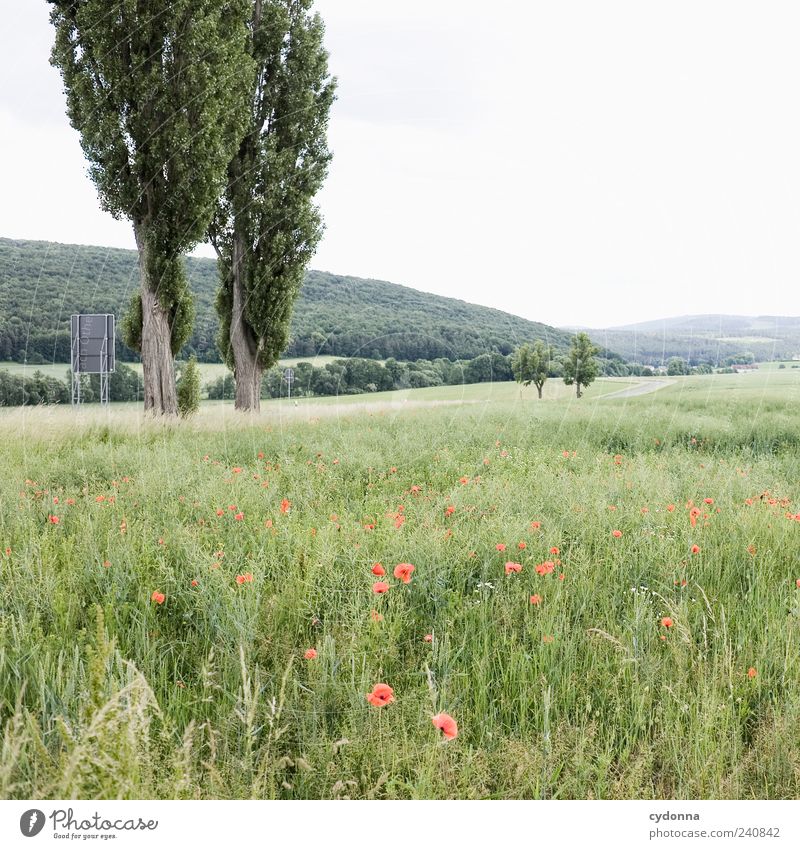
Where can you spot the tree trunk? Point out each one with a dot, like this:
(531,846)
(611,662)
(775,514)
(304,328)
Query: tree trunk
(578,389)
(539,390)
(247,370)
(158,366)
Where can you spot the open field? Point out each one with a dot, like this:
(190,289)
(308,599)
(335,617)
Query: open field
(658,662)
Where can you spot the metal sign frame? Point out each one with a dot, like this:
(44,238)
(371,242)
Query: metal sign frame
(288,376)
(92,351)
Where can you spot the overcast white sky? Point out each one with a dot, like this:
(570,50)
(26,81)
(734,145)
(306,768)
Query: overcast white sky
(589,163)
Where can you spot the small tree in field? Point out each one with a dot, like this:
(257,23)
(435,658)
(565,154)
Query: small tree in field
(580,365)
(189,389)
(531,365)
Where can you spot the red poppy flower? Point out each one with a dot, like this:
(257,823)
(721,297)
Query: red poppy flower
(695,549)
(381,695)
(403,572)
(194,583)
(513,567)
(545,568)
(536,599)
(54,520)
(378,570)
(247,578)
(522,545)
(310,654)
(239,517)
(751,672)
(554,550)
(380,587)
(667,622)
(616,534)
(708,500)
(446,724)
(501,546)
(449,510)
(535,526)
(670,508)
(157,597)
(285,505)
(428,638)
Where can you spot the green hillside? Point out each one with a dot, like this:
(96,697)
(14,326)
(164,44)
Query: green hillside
(42,283)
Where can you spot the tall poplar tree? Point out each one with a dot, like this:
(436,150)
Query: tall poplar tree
(158,92)
(266,226)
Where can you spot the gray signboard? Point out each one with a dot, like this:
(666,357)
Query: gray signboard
(93,344)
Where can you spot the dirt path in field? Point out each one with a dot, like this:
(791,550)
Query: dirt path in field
(639,389)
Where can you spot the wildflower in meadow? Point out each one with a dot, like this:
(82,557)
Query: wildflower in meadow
(310,654)
(375,616)
(667,622)
(751,672)
(554,550)
(501,546)
(380,587)
(54,520)
(449,510)
(428,638)
(522,545)
(535,526)
(194,582)
(695,549)
(381,695)
(694,513)
(536,599)
(157,597)
(513,567)
(616,534)
(285,505)
(545,568)
(446,724)
(670,508)
(239,517)
(378,570)
(403,572)
(246,578)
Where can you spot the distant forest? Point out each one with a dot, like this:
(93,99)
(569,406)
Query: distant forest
(42,283)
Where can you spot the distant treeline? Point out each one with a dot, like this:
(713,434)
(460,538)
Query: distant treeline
(358,375)
(352,376)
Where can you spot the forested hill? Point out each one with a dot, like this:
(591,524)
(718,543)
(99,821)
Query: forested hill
(43,283)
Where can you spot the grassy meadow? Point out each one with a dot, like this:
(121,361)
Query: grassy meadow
(161,585)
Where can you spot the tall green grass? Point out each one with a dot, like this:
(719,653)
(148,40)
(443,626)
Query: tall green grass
(104,693)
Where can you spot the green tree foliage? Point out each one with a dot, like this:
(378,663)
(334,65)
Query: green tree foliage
(677,366)
(189,389)
(580,365)
(158,94)
(17,390)
(532,364)
(266,226)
